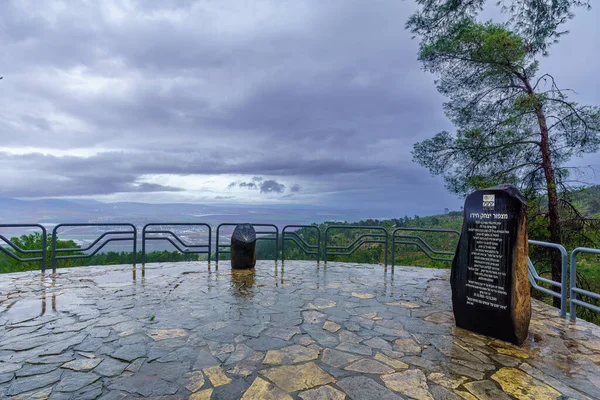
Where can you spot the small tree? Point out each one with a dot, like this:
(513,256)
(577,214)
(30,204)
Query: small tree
(514,124)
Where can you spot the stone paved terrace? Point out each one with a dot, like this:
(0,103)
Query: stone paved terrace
(179,331)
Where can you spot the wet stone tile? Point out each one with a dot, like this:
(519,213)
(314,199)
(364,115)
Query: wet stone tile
(263,390)
(363,388)
(33,382)
(322,393)
(72,381)
(179,331)
(411,383)
(291,355)
(297,377)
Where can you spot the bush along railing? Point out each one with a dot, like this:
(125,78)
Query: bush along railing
(264,236)
(303,245)
(574,290)
(369,237)
(160,234)
(534,277)
(124,235)
(41,251)
(399,238)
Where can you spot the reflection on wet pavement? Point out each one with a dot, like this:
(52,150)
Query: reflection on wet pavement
(198,331)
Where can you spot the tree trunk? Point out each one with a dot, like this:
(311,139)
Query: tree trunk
(553,214)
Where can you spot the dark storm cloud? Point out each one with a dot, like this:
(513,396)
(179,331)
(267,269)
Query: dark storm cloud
(328,96)
(248,185)
(271,186)
(265,186)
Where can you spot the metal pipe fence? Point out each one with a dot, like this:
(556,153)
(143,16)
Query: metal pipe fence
(368,234)
(534,277)
(574,290)
(358,242)
(152,235)
(55,251)
(420,243)
(308,249)
(12,255)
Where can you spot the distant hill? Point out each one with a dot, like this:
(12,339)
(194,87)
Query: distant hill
(587,201)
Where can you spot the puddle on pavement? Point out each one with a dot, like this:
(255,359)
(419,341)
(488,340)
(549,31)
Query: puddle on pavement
(25,310)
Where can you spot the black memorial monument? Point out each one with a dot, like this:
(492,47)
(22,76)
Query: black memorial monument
(490,288)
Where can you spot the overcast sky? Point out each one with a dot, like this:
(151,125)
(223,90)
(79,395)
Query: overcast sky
(312,102)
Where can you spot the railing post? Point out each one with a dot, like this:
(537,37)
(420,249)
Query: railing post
(144,244)
(283,244)
(54,248)
(563,282)
(325,247)
(134,244)
(276,243)
(318,244)
(573,284)
(209,242)
(44,250)
(385,260)
(217,242)
(393,247)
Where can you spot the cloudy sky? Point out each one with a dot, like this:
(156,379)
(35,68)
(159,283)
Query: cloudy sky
(312,102)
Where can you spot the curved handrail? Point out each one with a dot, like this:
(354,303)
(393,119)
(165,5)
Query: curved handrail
(185,245)
(350,251)
(423,250)
(427,230)
(395,236)
(301,239)
(564,273)
(95,251)
(55,257)
(14,246)
(64,250)
(360,237)
(298,241)
(348,227)
(43,250)
(294,237)
(420,239)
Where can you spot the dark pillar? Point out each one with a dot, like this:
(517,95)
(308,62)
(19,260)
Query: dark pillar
(243,247)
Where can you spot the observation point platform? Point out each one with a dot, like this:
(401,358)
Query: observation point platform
(297,331)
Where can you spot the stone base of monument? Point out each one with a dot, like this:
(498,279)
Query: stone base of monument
(243,247)
(489,279)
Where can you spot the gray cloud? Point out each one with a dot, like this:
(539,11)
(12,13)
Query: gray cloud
(327,95)
(271,186)
(248,185)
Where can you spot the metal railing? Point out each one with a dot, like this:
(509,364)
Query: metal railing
(534,277)
(43,250)
(420,243)
(371,234)
(55,251)
(358,242)
(574,290)
(203,248)
(308,249)
(218,246)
